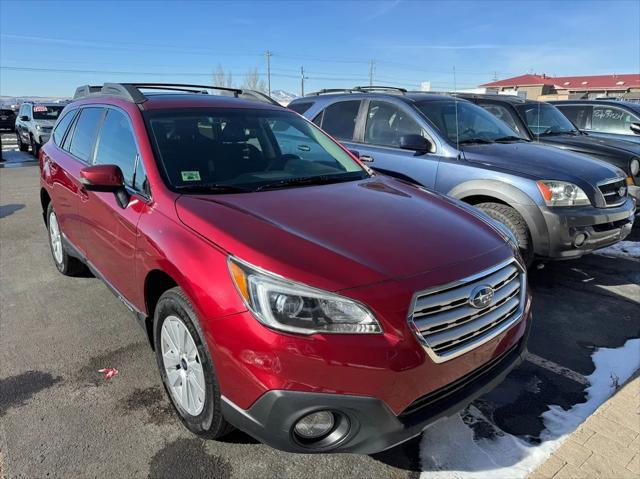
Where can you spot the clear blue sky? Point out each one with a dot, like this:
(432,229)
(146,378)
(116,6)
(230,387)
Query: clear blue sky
(409,41)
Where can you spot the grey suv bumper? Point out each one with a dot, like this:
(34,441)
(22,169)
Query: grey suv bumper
(601,226)
(371,426)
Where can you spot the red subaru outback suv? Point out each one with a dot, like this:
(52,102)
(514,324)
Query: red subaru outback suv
(286,289)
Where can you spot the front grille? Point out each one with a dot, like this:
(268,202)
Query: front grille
(448,325)
(611,191)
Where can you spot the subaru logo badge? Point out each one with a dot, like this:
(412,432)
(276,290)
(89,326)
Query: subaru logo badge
(622,191)
(481,297)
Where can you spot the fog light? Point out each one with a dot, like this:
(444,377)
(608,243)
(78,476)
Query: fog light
(579,239)
(315,425)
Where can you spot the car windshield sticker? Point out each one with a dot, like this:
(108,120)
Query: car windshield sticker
(40,108)
(190,176)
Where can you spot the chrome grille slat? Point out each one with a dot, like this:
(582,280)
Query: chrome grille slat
(448,325)
(465,313)
(439,301)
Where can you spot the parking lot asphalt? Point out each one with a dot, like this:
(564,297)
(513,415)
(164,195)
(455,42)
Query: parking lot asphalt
(60,418)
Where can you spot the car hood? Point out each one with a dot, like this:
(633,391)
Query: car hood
(542,162)
(342,235)
(616,152)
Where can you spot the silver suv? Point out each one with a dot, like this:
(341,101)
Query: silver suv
(34,124)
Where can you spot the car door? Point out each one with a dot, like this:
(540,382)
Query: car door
(74,139)
(383,123)
(110,231)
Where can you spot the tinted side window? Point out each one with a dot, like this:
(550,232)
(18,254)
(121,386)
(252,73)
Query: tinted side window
(577,114)
(301,107)
(612,120)
(84,134)
(339,119)
(117,145)
(386,123)
(61,127)
(501,113)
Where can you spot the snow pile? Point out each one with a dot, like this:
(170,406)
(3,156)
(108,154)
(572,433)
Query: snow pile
(623,249)
(448,448)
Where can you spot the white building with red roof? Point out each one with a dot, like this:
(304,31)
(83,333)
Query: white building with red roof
(559,88)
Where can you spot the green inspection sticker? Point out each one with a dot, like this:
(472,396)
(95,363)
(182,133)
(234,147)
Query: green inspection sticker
(190,175)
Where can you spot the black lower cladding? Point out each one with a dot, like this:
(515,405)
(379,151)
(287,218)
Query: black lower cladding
(373,427)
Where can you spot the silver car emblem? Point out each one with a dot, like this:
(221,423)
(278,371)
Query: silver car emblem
(481,297)
(622,191)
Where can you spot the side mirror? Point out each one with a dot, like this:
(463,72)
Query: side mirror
(24,118)
(355,153)
(635,127)
(106,179)
(416,143)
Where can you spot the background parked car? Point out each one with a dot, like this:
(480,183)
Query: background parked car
(34,124)
(556,203)
(544,123)
(7,119)
(607,118)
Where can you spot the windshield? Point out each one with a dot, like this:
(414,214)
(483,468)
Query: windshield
(45,112)
(474,124)
(544,119)
(231,150)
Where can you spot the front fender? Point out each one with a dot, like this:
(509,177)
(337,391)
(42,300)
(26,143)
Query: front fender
(514,197)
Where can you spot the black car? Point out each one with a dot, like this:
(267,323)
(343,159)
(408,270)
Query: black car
(605,118)
(544,123)
(7,119)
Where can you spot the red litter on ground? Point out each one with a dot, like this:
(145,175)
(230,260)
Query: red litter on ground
(108,372)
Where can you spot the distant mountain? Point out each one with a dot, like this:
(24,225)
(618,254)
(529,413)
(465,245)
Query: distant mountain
(283,97)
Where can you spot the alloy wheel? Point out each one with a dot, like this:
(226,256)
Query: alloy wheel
(183,366)
(56,237)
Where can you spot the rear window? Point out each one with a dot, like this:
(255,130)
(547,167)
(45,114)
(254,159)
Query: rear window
(84,133)
(339,119)
(46,112)
(300,107)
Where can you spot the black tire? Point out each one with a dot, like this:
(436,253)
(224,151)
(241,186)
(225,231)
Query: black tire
(516,224)
(209,423)
(35,146)
(21,145)
(69,266)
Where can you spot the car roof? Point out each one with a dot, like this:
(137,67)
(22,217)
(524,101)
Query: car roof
(160,101)
(407,97)
(629,104)
(511,99)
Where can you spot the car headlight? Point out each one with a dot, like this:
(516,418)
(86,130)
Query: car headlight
(562,193)
(634,166)
(293,307)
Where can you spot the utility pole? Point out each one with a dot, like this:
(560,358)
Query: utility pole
(372,67)
(302,79)
(268,55)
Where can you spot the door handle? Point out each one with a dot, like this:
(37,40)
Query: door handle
(366,158)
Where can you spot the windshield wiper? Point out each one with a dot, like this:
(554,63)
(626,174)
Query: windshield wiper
(212,188)
(309,180)
(509,138)
(559,132)
(480,141)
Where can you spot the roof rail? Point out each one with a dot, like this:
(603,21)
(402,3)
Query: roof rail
(132,91)
(358,89)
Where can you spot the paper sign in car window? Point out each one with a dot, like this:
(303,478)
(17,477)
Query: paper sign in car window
(190,175)
(40,109)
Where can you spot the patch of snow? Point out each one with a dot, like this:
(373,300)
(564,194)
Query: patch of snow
(450,451)
(623,249)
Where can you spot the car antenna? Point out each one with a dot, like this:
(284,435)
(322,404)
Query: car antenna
(455,102)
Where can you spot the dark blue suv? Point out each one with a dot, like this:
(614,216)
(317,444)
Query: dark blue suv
(556,203)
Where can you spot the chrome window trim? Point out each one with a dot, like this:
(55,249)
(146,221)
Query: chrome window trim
(483,338)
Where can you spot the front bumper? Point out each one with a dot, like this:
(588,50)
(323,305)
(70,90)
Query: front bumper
(371,426)
(574,232)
